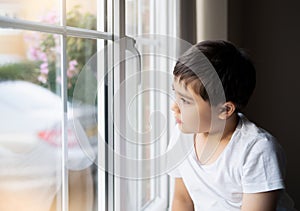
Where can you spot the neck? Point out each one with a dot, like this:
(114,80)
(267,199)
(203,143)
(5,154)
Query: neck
(230,126)
(209,144)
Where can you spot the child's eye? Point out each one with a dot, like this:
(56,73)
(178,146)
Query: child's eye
(184,101)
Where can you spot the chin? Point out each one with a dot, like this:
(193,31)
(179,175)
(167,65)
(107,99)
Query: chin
(186,130)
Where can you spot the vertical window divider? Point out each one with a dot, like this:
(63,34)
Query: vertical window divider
(103,122)
(64,95)
(153,99)
(119,78)
(109,164)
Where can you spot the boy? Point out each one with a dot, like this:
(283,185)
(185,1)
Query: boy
(234,165)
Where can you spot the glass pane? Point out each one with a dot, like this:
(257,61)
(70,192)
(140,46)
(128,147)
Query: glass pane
(83,123)
(79,53)
(145,136)
(138,19)
(30,123)
(32,10)
(82,14)
(148,18)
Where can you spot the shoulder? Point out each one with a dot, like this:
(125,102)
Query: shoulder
(263,160)
(253,142)
(254,137)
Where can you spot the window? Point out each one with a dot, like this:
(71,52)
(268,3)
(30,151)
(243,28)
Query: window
(85,88)
(45,47)
(153,25)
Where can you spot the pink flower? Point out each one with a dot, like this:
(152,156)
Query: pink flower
(73,62)
(72,65)
(42,56)
(44,68)
(42,79)
(44,65)
(32,53)
(72,68)
(70,74)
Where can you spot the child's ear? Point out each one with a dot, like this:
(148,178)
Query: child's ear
(226,110)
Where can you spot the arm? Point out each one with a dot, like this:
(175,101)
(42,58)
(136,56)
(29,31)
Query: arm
(182,200)
(81,193)
(265,201)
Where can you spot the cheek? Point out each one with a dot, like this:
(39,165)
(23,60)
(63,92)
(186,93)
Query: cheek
(195,120)
(190,116)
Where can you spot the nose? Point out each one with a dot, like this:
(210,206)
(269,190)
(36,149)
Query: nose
(175,108)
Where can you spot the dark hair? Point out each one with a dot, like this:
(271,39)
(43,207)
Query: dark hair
(232,65)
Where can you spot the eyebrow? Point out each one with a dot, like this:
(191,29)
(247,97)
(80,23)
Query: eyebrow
(181,94)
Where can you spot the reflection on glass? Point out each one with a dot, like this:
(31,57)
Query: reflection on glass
(32,10)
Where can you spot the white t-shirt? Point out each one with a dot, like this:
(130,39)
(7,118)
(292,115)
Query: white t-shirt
(252,162)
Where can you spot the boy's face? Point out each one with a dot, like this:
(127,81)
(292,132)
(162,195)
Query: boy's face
(191,112)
